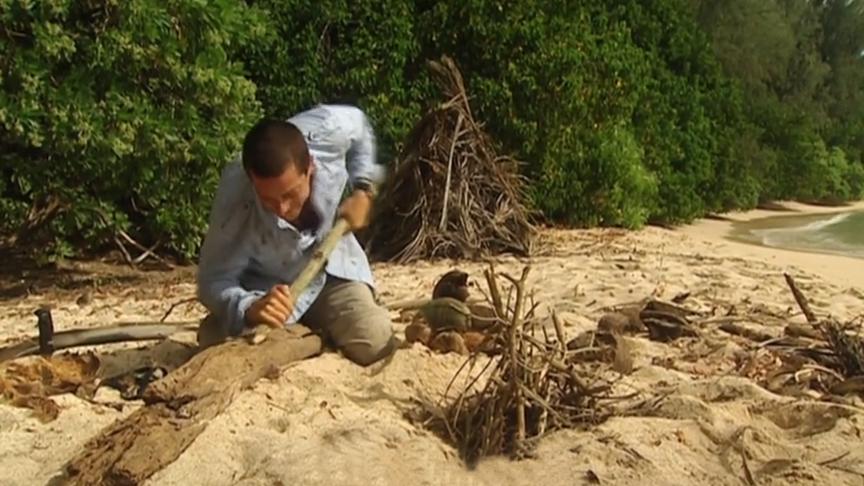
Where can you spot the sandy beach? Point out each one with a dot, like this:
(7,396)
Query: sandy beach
(326,421)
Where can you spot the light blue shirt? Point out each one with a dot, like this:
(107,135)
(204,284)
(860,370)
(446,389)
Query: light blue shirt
(247,249)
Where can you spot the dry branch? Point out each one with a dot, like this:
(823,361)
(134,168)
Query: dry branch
(801,300)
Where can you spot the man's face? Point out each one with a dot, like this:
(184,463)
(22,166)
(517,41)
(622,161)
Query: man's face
(286,194)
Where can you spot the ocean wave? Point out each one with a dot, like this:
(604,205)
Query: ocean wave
(816,235)
(809,227)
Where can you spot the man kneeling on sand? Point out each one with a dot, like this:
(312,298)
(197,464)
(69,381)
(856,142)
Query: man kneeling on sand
(268,214)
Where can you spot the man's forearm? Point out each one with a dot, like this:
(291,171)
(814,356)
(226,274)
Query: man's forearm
(228,301)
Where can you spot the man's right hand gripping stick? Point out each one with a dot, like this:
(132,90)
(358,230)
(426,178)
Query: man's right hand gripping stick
(316,263)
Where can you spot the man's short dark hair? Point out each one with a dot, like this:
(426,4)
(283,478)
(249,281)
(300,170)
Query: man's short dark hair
(271,146)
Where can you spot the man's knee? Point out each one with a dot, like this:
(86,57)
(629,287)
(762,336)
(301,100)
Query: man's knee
(354,322)
(372,339)
(367,353)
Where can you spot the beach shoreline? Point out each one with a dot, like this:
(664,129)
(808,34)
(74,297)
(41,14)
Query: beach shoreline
(843,270)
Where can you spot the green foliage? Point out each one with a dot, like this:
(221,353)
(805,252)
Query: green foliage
(557,85)
(124,112)
(672,119)
(358,52)
(784,54)
(120,115)
(825,175)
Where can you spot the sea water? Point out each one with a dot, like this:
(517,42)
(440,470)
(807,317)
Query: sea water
(836,233)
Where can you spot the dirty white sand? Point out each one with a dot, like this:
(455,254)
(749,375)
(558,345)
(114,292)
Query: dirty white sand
(325,421)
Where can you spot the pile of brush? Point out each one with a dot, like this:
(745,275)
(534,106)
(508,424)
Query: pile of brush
(530,387)
(450,194)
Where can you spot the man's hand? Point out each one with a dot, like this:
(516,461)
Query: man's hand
(356,209)
(273,309)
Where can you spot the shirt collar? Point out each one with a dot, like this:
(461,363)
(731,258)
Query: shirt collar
(317,196)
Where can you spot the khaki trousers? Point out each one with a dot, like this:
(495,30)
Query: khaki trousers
(347,316)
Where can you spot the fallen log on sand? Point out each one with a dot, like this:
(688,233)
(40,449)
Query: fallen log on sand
(178,407)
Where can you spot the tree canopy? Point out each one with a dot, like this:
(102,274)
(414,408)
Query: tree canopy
(116,118)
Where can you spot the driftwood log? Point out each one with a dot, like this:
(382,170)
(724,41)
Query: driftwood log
(178,407)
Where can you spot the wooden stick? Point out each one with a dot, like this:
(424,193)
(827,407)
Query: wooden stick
(516,380)
(174,306)
(308,274)
(559,331)
(494,293)
(138,331)
(443,223)
(319,257)
(801,300)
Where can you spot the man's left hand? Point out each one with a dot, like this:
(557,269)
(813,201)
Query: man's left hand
(356,209)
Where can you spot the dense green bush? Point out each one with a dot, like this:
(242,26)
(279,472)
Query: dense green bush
(556,84)
(800,69)
(119,115)
(359,52)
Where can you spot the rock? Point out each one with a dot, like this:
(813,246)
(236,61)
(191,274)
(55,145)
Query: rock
(418,332)
(477,341)
(452,284)
(449,341)
(446,314)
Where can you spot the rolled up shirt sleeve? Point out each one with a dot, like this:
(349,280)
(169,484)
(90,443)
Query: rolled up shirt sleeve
(224,255)
(361,157)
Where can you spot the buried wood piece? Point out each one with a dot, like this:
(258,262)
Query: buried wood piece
(30,383)
(850,385)
(178,407)
(803,330)
(800,299)
(746,332)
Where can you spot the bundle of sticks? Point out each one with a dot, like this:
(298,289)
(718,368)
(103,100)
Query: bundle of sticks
(529,389)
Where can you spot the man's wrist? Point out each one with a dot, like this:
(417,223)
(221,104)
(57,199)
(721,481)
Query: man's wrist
(365,186)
